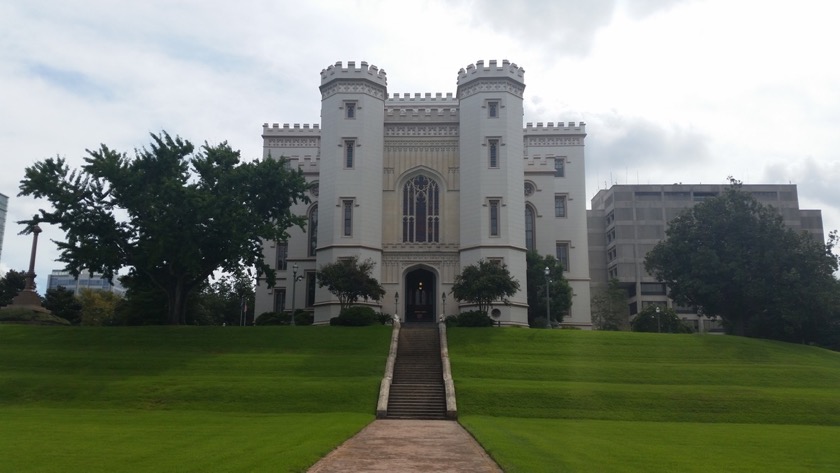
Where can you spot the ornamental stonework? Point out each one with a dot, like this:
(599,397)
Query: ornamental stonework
(293,142)
(353,87)
(421,130)
(539,141)
(491,85)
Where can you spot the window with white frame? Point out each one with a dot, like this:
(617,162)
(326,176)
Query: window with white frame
(494,217)
(282,255)
(493,152)
(421,210)
(560,205)
(347,216)
(559,166)
(312,228)
(349,153)
(562,254)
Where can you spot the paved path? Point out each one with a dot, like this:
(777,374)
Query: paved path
(408,446)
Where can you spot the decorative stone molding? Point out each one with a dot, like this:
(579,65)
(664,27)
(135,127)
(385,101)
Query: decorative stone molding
(353,87)
(421,130)
(491,85)
(293,142)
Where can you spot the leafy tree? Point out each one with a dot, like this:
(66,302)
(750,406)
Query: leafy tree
(735,258)
(484,283)
(609,308)
(559,292)
(10,285)
(664,321)
(350,281)
(223,300)
(172,214)
(63,303)
(98,307)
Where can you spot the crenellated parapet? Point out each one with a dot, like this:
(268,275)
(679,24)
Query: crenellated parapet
(492,70)
(295,136)
(477,78)
(295,129)
(438,98)
(366,79)
(559,129)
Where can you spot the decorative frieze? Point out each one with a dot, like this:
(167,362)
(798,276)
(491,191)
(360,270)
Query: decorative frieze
(491,85)
(545,141)
(353,87)
(293,142)
(421,130)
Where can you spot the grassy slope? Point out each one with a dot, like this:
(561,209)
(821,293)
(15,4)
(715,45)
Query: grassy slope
(600,401)
(183,398)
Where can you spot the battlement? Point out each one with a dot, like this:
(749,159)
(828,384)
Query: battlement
(393,113)
(492,70)
(297,128)
(422,98)
(550,128)
(365,71)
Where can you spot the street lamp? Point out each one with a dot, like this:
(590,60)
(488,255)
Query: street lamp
(658,325)
(397,304)
(547,299)
(443,314)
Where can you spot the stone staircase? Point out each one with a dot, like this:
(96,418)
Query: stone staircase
(417,390)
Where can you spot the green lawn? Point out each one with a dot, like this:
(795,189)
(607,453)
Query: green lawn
(183,398)
(602,401)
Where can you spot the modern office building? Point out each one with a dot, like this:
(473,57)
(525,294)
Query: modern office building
(95,281)
(426,184)
(627,221)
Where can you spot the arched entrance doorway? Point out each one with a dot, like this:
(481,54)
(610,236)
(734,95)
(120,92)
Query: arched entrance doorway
(420,300)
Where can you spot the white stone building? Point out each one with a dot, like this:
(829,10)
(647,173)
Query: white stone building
(426,184)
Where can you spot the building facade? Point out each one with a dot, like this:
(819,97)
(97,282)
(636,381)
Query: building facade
(424,185)
(96,282)
(627,221)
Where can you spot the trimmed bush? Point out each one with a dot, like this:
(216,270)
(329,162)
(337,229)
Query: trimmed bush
(356,316)
(273,318)
(304,317)
(473,318)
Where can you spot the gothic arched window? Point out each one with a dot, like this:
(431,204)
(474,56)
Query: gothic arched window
(530,240)
(421,211)
(313,230)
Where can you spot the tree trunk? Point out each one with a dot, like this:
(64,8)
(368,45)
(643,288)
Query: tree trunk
(176,296)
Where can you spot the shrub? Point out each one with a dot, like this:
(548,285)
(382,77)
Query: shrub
(385,319)
(304,317)
(273,318)
(473,318)
(356,316)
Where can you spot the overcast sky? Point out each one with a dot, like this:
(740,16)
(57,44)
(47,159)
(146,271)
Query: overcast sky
(671,91)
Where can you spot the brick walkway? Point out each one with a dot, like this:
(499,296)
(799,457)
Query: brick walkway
(409,446)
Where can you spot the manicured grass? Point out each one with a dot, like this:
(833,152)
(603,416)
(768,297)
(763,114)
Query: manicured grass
(183,398)
(602,401)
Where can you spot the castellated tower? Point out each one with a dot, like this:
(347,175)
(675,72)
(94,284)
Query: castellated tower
(492,225)
(350,200)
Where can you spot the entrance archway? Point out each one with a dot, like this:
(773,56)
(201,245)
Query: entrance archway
(420,300)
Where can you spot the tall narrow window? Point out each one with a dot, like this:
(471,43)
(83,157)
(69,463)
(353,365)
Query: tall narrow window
(350,109)
(563,255)
(530,240)
(282,255)
(559,167)
(494,218)
(421,211)
(313,230)
(347,212)
(310,288)
(279,300)
(493,152)
(559,205)
(349,153)
(493,109)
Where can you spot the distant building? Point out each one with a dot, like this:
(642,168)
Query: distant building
(627,221)
(425,185)
(4,207)
(85,280)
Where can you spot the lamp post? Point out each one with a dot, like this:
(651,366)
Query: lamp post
(294,286)
(658,325)
(547,299)
(397,304)
(443,314)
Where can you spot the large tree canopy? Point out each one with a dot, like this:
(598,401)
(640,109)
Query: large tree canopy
(560,293)
(735,258)
(484,283)
(350,280)
(171,214)
(609,307)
